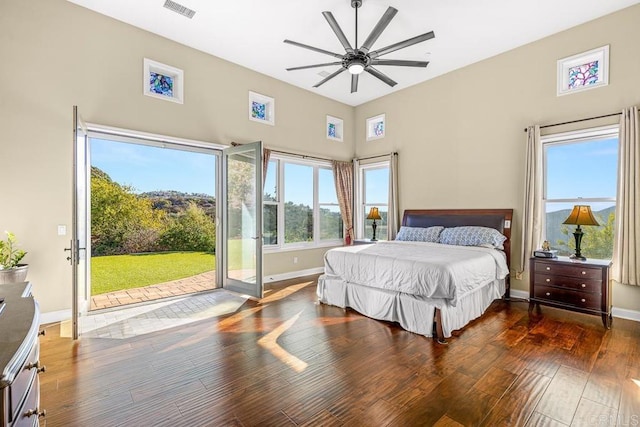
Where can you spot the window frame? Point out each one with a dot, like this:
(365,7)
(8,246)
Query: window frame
(316,164)
(572,137)
(361,201)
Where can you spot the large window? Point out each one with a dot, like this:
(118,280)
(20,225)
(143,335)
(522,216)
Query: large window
(300,204)
(580,168)
(373,192)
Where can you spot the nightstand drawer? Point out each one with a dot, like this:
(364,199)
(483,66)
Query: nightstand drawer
(584,300)
(577,270)
(576,283)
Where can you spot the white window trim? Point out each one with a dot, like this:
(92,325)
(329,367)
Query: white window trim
(316,243)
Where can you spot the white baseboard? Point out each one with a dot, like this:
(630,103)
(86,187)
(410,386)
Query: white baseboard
(55,316)
(623,313)
(515,293)
(293,274)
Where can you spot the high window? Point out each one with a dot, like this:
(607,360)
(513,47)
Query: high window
(580,168)
(373,191)
(300,204)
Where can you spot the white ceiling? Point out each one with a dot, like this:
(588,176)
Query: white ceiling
(251,33)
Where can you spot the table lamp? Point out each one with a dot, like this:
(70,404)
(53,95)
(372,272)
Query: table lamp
(580,215)
(374,214)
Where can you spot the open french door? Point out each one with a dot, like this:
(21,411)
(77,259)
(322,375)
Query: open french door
(242,219)
(80,214)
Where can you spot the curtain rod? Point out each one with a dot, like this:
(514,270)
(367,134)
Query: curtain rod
(304,156)
(578,120)
(395,153)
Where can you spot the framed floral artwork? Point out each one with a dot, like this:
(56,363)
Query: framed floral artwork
(376,127)
(162,81)
(335,128)
(584,71)
(261,108)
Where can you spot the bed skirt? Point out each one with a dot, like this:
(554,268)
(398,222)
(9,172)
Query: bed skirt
(413,314)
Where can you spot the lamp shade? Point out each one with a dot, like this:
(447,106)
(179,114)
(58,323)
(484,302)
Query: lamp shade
(581,215)
(374,214)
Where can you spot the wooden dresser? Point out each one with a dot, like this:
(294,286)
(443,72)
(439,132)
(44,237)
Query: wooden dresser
(577,286)
(19,357)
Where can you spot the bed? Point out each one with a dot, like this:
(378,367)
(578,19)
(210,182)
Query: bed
(429,288)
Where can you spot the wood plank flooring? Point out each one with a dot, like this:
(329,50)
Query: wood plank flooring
(288,361)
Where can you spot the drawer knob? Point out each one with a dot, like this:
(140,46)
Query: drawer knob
(584,272)
(583,300)
(548,280)
(583,285)
(548,293)
(33,365)
(548,268)
(37,412)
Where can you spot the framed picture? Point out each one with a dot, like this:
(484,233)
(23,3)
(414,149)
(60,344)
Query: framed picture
(376,127)
(261,108)
(335,128)
(162,81)
(583,71)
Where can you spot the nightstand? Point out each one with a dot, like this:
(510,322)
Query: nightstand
(364,242)
(576,286)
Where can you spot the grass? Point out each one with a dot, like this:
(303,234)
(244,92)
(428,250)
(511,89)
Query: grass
(119,272)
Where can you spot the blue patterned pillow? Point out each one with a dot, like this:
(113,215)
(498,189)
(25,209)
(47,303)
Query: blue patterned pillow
(473,236)
(419,234)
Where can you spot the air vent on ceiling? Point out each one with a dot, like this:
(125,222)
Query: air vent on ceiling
(178,8)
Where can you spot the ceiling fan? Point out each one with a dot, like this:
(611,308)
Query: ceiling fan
(363,59)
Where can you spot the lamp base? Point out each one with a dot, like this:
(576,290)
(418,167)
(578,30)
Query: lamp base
(575,257)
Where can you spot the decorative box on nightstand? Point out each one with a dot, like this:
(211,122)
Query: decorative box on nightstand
(577,286)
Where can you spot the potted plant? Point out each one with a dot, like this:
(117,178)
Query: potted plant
(11,271)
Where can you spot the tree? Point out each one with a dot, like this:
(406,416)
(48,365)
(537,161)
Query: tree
(121,222)
(191,230)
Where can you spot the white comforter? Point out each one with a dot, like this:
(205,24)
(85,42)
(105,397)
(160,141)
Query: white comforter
(429,270)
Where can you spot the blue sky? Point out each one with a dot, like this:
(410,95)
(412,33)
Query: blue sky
(149,168)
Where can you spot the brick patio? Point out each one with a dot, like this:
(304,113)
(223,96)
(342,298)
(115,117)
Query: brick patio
(198,283)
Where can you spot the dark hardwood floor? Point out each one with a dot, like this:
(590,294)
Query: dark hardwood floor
(288,360)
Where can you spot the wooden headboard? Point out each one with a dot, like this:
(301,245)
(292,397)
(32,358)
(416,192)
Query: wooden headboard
(500,219)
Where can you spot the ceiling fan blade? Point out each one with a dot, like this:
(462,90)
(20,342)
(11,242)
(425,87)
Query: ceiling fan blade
(304,67)
(315,49)
(380,75)
(338,31)
(354,83)
(326,79)
(402,44)
(399,62)
(378,29)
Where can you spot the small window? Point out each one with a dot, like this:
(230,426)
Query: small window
(580,168)
(374,192)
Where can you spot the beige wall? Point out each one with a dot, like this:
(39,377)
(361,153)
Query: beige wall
(55,55)
(460,136)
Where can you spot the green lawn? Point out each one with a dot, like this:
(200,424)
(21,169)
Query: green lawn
(118,272)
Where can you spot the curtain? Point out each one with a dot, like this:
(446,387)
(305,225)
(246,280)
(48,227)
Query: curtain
(626,257)
(532,207)
(266,155)
(343,177)
(393,216)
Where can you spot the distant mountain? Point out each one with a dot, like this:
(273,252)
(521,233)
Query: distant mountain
(555,219)
(174,202)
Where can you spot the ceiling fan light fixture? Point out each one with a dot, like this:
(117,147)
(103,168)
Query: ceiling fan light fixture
(356,66)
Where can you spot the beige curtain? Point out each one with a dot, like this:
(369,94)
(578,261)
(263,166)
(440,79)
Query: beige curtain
(393,216)
(532,207)
(343,177)
(626,256)
(266,155)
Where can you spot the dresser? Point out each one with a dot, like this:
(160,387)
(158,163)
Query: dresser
(19,358)
(578,286)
